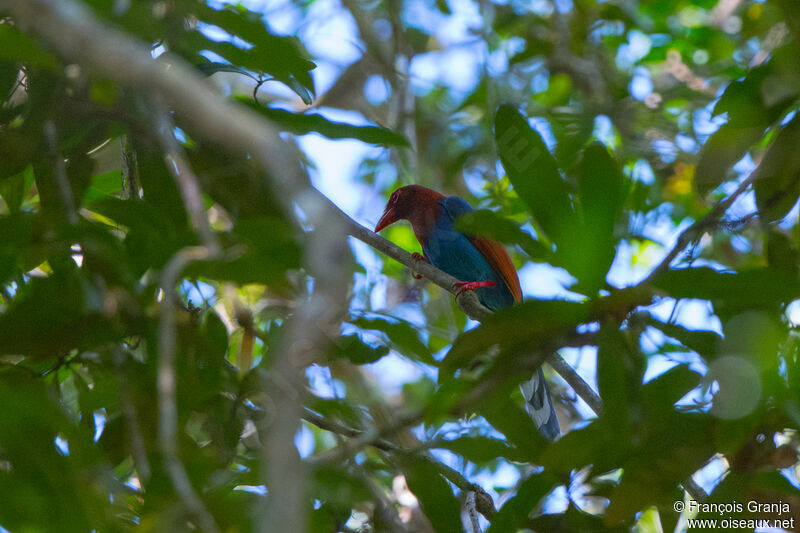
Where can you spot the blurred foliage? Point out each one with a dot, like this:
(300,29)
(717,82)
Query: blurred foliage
(588,134)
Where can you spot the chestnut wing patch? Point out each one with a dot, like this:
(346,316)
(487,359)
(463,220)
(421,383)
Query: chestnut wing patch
(498,258)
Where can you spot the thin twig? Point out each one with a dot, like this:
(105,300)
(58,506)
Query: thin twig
(694,490)
(483,502)
(138,448)
(473,513)
(60,172)
(167,381)
(578,384)
(361,439)
(696,230)
(130,169)
(185,179)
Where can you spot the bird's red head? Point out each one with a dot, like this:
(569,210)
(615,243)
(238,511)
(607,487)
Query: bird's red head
(405,202)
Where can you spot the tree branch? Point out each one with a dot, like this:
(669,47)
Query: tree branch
(483,501)
(167,384)
(305,338)
(60,172)
(467,302)
(472,512)
(138,448)
(578,384)
(696,230)
(77,35)
(184,177)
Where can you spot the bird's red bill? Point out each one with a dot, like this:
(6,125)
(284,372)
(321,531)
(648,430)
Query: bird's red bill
(387,219)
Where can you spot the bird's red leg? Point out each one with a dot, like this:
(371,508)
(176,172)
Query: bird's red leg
(472,285)
(418,257)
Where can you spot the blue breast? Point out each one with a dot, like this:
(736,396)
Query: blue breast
(451,251)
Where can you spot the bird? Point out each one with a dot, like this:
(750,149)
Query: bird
(482,264)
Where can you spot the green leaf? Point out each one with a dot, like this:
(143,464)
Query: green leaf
(597,444)
(746,288)
(433,492)
(322,519)
(662,392)
(601,193)
(513,422)
(50,316)
(15,46)
(601,188)
(442,6)
(337,409)
(448,394)
(705,343)
(480,449)
(160,191)
(401,334)
(515,511)
(357,351)
(752,104)
(792,16)
(336,485)
(150,240)
(571,127)
(520,328)
(781,255)
(726,146)
(534,174)
(104,185)
(576,519)
(282,57)
(777,182)
(212,67)
(236,183)
(212,339)
(485,223)
(266,260)
(647,482)
(617,378)
(40,485)
(14,188)
(17,233)
(9,74)
(301,124)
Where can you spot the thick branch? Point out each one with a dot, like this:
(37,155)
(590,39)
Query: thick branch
(306,336)
(76,34)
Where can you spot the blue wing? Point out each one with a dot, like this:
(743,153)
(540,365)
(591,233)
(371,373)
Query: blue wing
(454,253)
(455,206)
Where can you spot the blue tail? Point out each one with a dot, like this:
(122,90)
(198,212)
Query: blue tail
(539,405)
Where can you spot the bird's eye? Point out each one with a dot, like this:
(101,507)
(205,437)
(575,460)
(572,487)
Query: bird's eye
(393,198)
